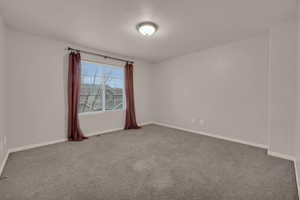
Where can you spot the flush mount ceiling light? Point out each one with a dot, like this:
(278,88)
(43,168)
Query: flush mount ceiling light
(147,28)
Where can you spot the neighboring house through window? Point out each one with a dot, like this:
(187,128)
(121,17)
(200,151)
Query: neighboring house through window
(102,87)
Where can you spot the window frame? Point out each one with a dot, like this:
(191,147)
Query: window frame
(103,96)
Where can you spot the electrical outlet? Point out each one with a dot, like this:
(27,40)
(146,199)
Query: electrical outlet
(4,140)
(193,120)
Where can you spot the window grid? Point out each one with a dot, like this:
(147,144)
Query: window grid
(102,88)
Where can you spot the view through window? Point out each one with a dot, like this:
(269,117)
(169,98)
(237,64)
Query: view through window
(102,87)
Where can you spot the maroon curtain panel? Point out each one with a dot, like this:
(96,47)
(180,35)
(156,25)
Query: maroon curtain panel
(74,131)
(130,121)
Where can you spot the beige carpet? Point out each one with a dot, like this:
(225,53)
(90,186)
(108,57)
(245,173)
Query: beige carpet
(150,163)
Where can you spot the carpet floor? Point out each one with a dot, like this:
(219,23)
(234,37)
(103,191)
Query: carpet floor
(150,163)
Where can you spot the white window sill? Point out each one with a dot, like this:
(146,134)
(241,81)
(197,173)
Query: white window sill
(100,112)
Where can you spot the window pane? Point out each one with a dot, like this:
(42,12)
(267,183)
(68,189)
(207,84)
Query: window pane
(97,79)
(91,88)
(114,84)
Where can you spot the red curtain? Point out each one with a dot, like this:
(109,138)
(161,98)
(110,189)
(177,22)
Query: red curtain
(74,131)
(130,121)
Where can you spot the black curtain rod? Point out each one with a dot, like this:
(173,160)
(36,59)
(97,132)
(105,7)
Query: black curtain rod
(101,55)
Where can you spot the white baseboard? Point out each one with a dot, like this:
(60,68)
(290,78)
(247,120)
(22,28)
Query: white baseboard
(3,162)
(146,123)
(284,156)
(280,155)
(115,129)
(103,132)
(275,154)
(213,135)
(31,146)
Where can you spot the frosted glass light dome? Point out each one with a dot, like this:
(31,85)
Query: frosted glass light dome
(147,28)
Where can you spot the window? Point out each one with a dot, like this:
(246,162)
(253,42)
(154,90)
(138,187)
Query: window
(102,87)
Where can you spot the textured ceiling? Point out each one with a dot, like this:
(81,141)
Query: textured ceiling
(109,25)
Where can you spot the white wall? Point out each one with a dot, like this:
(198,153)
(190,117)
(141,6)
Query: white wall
(222,90)
(38,74)
(297,126)
(225,86)
(3,93)
(282,87)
